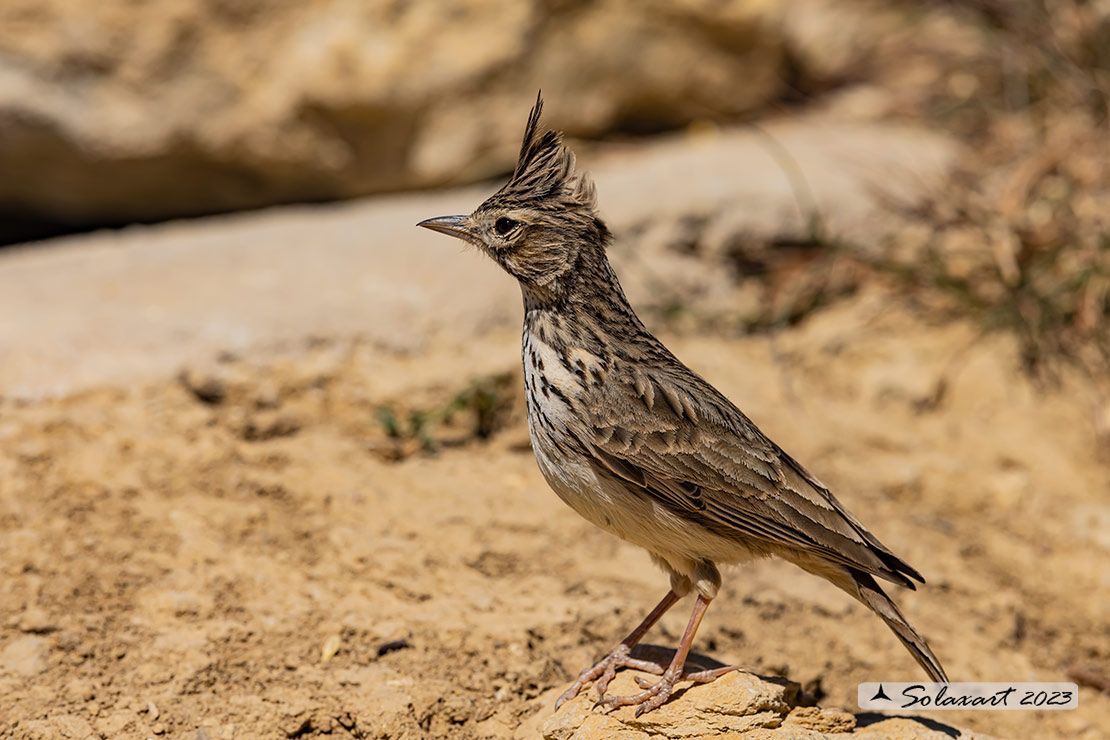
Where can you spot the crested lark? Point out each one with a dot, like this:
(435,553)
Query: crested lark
(640,445)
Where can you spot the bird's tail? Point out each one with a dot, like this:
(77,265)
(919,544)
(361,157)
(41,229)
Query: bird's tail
(871,594)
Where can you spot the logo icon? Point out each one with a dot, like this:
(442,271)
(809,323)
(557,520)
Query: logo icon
(880,694)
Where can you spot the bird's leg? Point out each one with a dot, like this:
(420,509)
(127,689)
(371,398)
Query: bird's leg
(657,693)
(620,657)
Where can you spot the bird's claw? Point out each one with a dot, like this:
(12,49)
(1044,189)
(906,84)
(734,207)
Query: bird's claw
(652,697)
(655,694)
(604,672)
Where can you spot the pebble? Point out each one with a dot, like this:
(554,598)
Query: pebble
(331,647)
(25,656)
(207,389)
(36,621)
(80,690)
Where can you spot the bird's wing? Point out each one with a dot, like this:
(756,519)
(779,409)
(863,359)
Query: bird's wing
(667,431)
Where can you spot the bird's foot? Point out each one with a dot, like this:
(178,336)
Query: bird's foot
(655,694)
(605,670)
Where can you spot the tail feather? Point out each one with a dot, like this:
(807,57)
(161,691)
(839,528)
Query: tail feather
(862,586)
(869,592)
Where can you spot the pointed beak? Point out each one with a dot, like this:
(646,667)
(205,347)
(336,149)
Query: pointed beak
(450,225)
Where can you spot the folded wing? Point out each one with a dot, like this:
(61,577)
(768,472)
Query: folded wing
(691,449)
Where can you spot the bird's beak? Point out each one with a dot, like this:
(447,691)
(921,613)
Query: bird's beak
(450,225)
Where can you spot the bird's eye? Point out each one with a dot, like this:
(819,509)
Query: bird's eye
(504,225)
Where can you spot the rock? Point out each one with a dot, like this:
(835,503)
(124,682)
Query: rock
(27,655)
(737,705)
(909,728)
(37,621)
(832,41)
(217,106)
(143,302)
(735,702)
(330,647)
(79,689)
(65,726)
(820,720)
(205,387)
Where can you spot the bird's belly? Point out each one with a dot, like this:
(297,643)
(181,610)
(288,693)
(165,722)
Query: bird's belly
(631,514)
(605,500)
(574,480)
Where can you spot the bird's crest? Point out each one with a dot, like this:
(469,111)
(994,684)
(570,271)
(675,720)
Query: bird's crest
(545,167)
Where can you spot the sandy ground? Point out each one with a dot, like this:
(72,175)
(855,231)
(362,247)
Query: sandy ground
(269,477)
(239,552)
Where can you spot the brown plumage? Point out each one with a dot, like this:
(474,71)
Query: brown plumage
(639,444)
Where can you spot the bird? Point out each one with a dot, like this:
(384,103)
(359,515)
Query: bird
(642,446)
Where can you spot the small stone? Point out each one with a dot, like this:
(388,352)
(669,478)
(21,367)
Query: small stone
(118,722)
(267,425)
(331,647)
(820,720)
(267,395)
(71,726)
(36,621)
(80,690)
(158,728)
(296,724)
(33,450)
(25,656)
(208,389)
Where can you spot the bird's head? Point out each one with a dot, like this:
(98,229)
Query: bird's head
(543,221)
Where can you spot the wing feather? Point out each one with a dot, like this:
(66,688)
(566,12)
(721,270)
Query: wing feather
(704,459)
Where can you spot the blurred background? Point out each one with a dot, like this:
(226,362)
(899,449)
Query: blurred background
(139,111)
(126,112)
(264,467)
